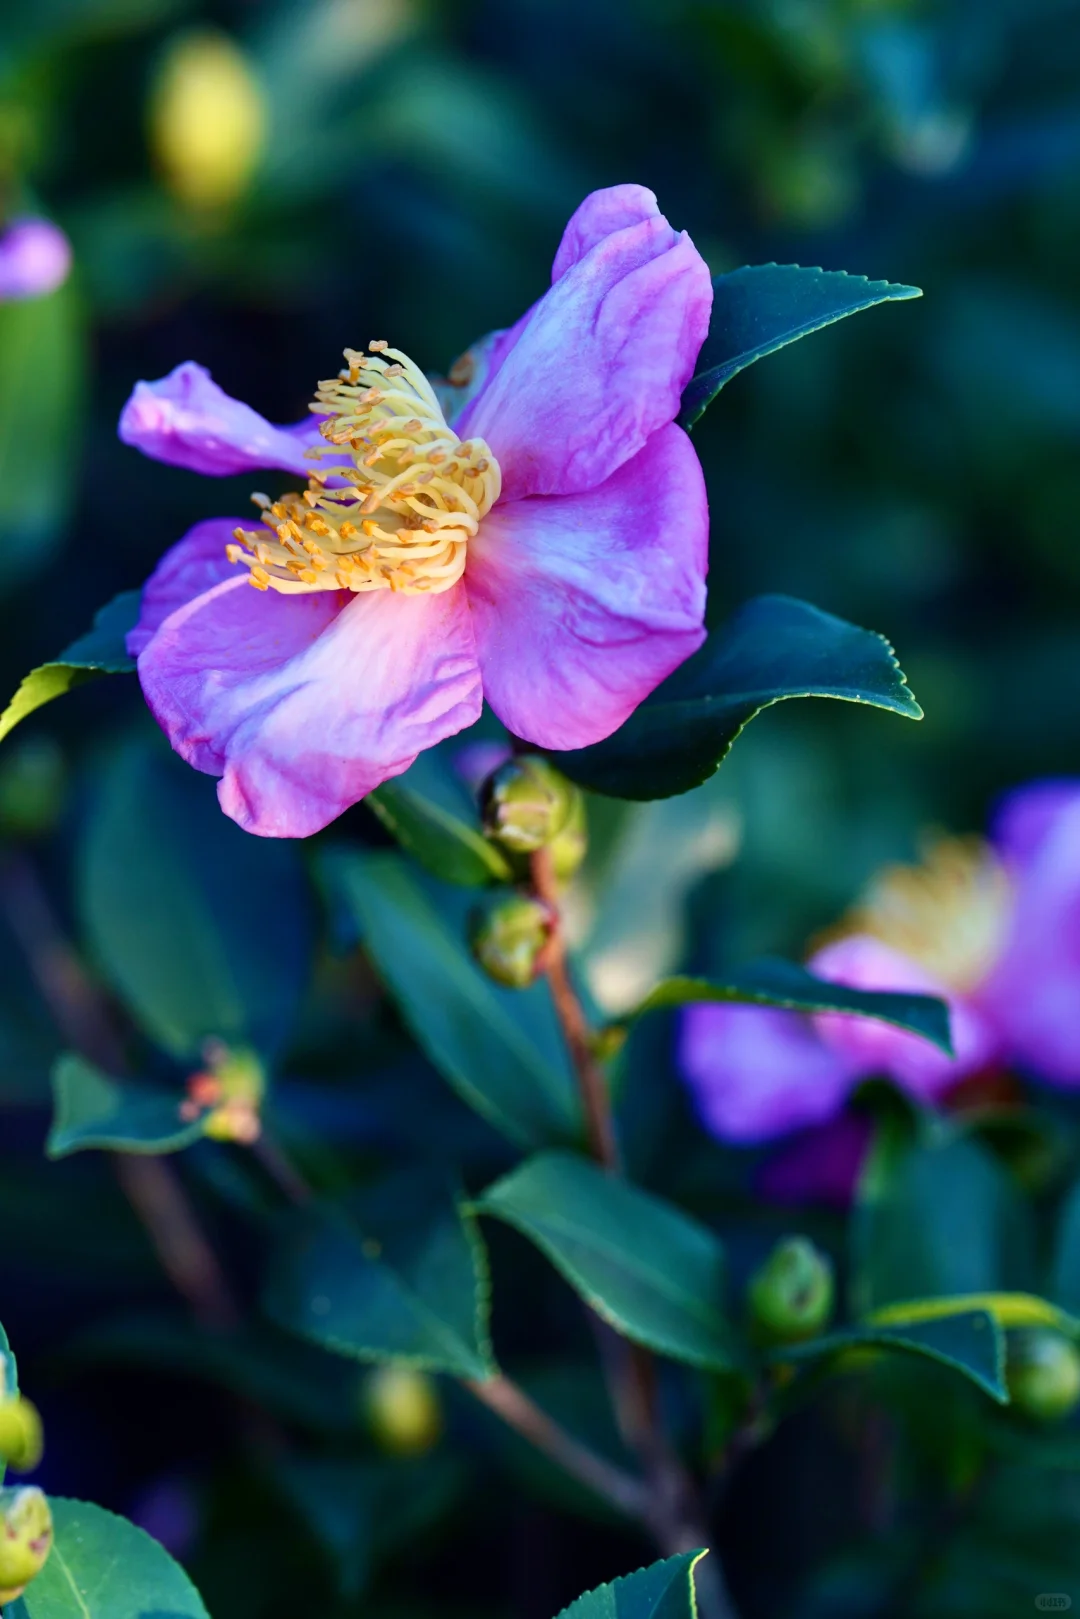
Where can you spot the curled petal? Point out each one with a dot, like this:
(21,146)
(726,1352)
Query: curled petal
(583,603)
(600,215)
(303,704)
(186,420)
(920,1068)
(1033,993)
(756,1072)
(599,363)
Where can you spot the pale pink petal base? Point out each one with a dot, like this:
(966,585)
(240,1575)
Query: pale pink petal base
(583,604)
(303,704)
(187,570)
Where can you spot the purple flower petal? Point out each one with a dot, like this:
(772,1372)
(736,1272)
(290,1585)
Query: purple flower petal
(186,420)
(756,1072)
(1033,993)
(599,365)
(871,1047)
(303,704)
(583,603)
(600,215)
(187,570)
(35,258)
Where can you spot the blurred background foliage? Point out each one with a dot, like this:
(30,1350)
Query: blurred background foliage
(255,184)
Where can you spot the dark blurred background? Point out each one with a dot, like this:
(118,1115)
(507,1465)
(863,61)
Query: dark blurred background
(254,186)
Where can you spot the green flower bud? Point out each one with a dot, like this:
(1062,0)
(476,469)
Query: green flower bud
(525,803)
(403,1410)
(791,1296)
(570,846)
(21,1442)
(508,937)
(1043,1373)
(26,1537)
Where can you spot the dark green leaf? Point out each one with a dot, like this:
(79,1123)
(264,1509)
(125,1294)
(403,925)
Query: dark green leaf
(774,648)
(102,1567)
(643,1265)
(407,1283)
(782,983)
(101,651)
(92,1109)
(971,1342)
(435,821)
(761,307)
(937,1218)
(200,928)
(1065,1285)
(475,1033)
(662,1591)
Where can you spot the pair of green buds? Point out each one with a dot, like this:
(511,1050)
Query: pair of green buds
(26,1531)
(526,806)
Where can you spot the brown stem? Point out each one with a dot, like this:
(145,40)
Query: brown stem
(281,1169)
(151,1186)
(568,1009)
(672,1512)
(521,1413)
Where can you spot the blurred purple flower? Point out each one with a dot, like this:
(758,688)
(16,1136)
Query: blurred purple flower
(993,928)
(35,258)
(547,552)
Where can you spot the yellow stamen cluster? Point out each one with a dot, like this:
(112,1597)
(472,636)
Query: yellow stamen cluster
(396,496)
(949,912)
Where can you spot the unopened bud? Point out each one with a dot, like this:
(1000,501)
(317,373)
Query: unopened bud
(508,937)
(569,847)
(26,1537)
(1043,1373)
(227,1094)
(791,1296)
(21,1441)
(525,803)
(403,1410)
(207,119)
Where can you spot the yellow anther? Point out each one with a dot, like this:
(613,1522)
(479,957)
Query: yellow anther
(348,531)
(260,578)
(309,576)
(376,345)
(234,552)
(260,499)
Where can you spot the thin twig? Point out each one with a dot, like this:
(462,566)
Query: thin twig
(673,1511)
(151,1186)
(522,1414)
(568,1009)
(281,1169)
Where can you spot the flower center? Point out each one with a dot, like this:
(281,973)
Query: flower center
(396,496)
(949,912)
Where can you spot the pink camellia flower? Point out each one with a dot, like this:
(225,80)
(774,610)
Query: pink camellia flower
(993,928)
(544,548)
(35,258)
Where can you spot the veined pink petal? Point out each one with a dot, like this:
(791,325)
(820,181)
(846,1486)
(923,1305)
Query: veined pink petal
(920,1068)
(599,364)
(188,569)
(756,1072)
(304,704)
(186,420)
(583,603)
(602,214)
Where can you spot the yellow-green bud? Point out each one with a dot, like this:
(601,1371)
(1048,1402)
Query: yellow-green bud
(791,1296)
(208,119)
(508,937)
(26,1537)
(570,846)
(21,1441)
(403,1410)
(525,803)
(1043,1373)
